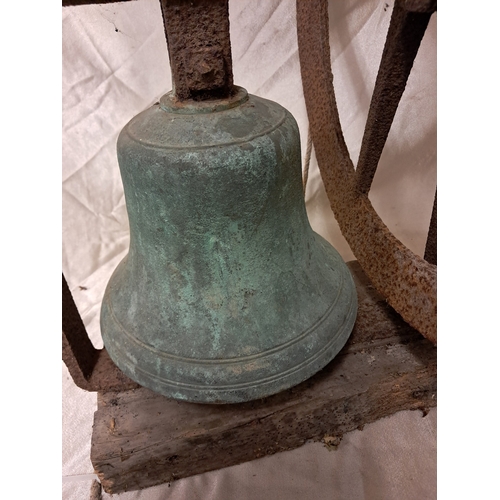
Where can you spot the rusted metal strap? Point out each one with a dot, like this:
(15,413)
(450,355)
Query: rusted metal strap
(91,369)
(78,352)
(403,40)
(429,6)
(197,33)
(408,282)
(431,245)
(69,3)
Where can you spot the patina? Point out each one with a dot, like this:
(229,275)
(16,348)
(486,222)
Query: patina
(226,294)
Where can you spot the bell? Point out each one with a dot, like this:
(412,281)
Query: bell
(226,294)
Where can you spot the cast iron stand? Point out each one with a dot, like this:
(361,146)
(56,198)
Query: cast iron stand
(142,439)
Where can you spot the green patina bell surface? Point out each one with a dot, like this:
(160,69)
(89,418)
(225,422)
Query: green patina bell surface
(226,294)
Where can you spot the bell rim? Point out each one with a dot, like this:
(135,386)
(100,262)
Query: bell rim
(344,328)
(229,360)
(249,390)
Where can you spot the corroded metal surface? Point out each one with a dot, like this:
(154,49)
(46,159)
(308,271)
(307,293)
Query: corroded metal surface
(407,281)
(199,47)
(403,40)
(69,3)
(79,354)
(91,369)
(428,6)
(226,294)
(430,254)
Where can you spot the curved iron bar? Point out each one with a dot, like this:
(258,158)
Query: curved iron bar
(408,282)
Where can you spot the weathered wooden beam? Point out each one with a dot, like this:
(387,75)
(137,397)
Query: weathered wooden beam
(141,439)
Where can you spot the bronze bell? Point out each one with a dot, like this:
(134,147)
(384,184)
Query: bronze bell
(226,294)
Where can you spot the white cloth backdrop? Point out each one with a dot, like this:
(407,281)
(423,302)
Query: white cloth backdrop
(115,64)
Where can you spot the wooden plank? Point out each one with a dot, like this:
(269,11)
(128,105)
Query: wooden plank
(141,439)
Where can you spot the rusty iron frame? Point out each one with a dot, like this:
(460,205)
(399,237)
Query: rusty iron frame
(91,369)
(199,48)
(73,3)
(408,282)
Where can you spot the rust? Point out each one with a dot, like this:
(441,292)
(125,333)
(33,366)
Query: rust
(78,352)
(68,3)
(91,369)
(403,40)
(430,254)
(408,282)
(197,33)
(419,5)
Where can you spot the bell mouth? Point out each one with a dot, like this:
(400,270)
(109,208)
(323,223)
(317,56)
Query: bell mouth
(171,104)
(225,380)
